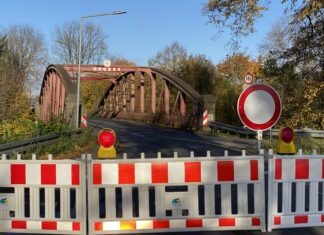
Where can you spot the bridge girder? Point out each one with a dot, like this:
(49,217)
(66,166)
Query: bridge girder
(59,91)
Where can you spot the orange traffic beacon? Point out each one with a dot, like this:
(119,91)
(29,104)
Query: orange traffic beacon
(106,140)
(286,141)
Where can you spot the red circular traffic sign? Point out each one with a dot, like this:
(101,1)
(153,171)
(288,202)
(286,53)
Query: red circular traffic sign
(248,78)
(259,107)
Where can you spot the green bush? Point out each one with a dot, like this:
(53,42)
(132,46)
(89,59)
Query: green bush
(307,144)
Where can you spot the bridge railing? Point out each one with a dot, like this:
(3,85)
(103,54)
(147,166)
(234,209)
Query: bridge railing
(274,132)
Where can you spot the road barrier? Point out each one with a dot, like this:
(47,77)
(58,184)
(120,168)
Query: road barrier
(176,194)
(42,196)
(160,194)
(215,126)
(295,191)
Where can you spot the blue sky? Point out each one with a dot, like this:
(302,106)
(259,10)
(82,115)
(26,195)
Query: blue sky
(148,27)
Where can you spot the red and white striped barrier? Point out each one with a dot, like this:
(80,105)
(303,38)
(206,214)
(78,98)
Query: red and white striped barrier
(176,194)
(205,118)
(295,183)
(84,122)
(42,196)
(28,225)
(170,172)
(181,224)
(24,173)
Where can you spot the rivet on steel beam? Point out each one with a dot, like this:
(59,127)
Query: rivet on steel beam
(208,154)
(300,152)
(159,155)
(314,152)
(3,156)
(18,156)
(225,153)
(175,154)
(142,155)
(33,156)
(270,152)
(243,153)
(50,157)
(124,155)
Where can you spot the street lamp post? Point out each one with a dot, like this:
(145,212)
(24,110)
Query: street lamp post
(79,57)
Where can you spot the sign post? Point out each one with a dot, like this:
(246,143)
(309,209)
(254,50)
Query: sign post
(259,108)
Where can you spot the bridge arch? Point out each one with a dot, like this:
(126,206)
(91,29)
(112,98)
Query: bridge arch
(137,93)
(130,90)
(58,94)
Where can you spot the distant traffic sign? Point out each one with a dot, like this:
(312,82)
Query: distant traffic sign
(248,78)
(259,107)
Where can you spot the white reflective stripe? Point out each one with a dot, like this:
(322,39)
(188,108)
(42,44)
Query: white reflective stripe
(144,224)
(242,170)
(243,222)
(315,169)
(109,173)
(65,226)
(205,112)
(143,174)
(288,169)
(176,172)
(181,223)
(63,174)
(286,220)
(5,225)
(37,225)
(33,174)
(210,222)
(314,219)
(115,225)
(5,174)
(208,171)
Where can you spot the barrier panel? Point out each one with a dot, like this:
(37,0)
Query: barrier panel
(42,196)
(176,194)
(295,191)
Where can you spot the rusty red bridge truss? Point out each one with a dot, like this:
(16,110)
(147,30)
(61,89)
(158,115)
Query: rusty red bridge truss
(136,93)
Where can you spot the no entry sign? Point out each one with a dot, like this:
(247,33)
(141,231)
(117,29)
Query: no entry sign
(259,107)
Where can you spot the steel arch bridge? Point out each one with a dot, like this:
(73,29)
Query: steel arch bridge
(136,93)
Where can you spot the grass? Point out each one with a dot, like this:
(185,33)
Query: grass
(65,147)
(307,144)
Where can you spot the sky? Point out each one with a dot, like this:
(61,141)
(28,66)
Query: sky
(148,27)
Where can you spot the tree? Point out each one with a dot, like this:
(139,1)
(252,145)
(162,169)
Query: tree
(199,72)
(228,85)
(23,54)
(235,66)
(170,58)
(304,31)
(66,43)
(237,15)
(28,51)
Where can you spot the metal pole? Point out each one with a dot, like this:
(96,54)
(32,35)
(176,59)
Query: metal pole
(79,59)
(79,76)
(259,139)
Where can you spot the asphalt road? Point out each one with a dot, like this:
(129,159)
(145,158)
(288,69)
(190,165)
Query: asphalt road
(134,138)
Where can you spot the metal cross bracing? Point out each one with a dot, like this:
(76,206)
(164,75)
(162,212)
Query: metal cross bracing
(137,93)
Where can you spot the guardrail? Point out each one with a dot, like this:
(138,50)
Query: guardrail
(274,132)
(18,146)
